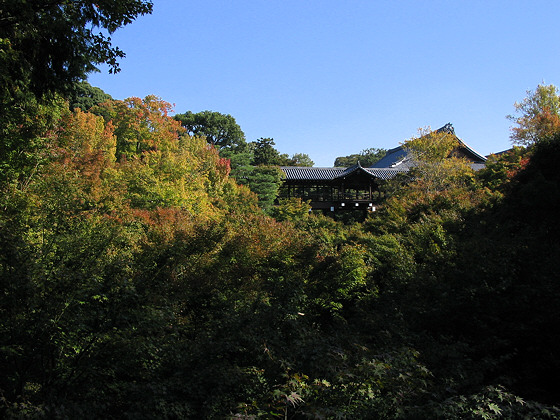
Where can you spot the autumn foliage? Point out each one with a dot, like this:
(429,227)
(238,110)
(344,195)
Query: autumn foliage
(138,280)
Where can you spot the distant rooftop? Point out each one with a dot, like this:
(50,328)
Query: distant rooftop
(400,158)
(329,174)
(397,160)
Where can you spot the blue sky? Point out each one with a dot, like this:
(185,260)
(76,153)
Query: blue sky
(331,78)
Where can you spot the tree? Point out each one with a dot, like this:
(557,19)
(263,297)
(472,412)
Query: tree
(141,125)
(239,156)
(220,130)
(366,157)
(84,96)
(291,209)
(24,129)
(47,46)
(500,169)
(263,180)
(436,168)
(265,153)
(300,159)
(539,116)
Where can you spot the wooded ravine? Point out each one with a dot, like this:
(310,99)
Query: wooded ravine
(140,279)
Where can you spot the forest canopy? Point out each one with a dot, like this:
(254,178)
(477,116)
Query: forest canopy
(140,279)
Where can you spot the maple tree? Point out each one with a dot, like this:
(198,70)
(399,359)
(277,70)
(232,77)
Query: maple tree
(45,48)
(137,279)
(141,125)
(539,116)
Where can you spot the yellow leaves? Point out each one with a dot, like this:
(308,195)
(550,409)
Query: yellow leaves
(141,125)
(431,146)
(293,209)
(83,133)
(438,165)
(160,166)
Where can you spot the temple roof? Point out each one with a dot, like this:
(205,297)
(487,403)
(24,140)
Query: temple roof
(399,157)
(329,174)
(397,160)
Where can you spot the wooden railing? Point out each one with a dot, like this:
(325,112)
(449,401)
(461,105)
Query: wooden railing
(334,197)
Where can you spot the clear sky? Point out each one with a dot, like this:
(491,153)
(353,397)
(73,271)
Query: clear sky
(331,78)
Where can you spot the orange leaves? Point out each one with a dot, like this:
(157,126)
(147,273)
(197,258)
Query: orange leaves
(535,127)
(514,170)
(540,116)
(224,167)
(130,159)
(84,133)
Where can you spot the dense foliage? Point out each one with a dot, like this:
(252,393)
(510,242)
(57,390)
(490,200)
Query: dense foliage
(222,131)
(254,164)
(366,158)
(47,46)
(139,280)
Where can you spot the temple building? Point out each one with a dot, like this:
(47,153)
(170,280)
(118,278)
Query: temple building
(356,187)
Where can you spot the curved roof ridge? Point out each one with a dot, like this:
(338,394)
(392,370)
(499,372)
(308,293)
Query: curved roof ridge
(400,155)
(349,170)
(448,128)
(471,150)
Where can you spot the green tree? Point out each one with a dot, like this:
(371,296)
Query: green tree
(539,116)
(500,169)
(84,96)
(24,130)
(263,180)
(300,159)
(293,209)
(366,157)
(265,153)
(47,46)
(220,130)
(239,156)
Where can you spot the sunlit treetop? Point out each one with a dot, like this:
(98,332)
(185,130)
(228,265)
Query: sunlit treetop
(539,116)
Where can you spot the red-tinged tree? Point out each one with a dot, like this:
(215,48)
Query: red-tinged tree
(45,48)
(539,116)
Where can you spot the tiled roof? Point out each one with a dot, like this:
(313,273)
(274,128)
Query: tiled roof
(394,158)
(474,154)
(499,153)
(385,173)
(349,170)
(329,174)
(307,173)
(400,158)
(397,160)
